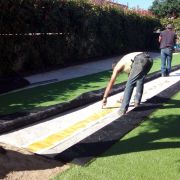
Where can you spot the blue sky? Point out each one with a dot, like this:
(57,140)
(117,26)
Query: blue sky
(143,4)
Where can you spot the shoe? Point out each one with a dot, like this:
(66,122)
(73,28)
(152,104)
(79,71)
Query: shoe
(167,72)
(163,75)
(136,104)
(121,112)
(2,150)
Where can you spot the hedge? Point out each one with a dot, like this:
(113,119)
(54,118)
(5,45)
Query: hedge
(84,31)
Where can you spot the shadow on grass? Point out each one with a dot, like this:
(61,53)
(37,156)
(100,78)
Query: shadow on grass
(51,94)
(162,128)
(157,101)
(156,128)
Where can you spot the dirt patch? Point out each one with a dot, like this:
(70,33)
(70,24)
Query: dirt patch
(20,164)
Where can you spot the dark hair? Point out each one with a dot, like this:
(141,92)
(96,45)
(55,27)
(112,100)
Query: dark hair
(169,26)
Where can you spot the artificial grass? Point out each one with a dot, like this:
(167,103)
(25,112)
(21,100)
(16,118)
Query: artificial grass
(51,94)
(151,151)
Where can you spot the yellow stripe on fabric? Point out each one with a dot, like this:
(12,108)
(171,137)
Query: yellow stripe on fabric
(59,136)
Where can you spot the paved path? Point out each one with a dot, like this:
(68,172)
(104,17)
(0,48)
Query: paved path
(75,71)
(55,135)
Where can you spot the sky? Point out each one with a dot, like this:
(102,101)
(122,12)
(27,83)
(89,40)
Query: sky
(143,4)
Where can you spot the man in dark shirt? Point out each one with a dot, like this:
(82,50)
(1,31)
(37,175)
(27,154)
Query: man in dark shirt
(167,40)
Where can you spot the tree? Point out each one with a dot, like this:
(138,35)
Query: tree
(166,8)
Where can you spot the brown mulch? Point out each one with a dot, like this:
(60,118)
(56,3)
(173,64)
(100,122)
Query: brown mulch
(19,164)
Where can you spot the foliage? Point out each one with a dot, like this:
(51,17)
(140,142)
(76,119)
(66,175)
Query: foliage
(166,8)
(81,31)
(175,22)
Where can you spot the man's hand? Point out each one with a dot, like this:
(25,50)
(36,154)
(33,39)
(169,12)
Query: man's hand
(104,102)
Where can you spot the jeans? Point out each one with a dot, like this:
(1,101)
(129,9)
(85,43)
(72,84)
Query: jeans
(140,67)
(166,58)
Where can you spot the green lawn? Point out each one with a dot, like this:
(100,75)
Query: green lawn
(55,93)
(149,152)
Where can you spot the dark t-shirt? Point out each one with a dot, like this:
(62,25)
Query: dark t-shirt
(168,39)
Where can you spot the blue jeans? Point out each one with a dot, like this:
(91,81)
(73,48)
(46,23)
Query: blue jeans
(166,58)
(140,67)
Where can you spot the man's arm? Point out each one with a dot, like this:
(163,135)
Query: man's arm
(109,86)
(160,38)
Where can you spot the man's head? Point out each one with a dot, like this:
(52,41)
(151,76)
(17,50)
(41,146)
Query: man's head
(169,27)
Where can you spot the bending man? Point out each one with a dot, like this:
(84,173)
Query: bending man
(137,65)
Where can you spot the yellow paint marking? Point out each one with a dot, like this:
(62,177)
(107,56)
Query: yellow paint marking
(59,136)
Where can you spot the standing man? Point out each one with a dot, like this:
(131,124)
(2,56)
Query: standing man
(137,65)
(167,40)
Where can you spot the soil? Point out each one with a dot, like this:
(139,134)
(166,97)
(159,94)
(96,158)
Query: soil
(19,164)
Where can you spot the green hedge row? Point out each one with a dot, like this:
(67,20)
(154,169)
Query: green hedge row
(87,31)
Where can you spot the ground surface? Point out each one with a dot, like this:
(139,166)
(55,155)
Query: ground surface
(19,164)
